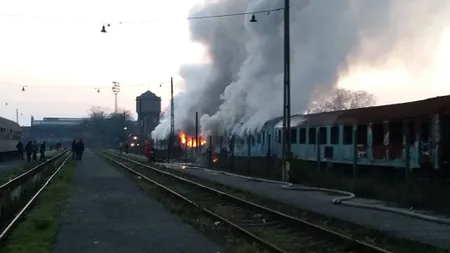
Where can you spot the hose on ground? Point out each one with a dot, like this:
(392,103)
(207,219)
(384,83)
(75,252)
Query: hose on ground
(344,199)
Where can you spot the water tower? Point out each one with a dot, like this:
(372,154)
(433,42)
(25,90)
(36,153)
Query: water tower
(148,108)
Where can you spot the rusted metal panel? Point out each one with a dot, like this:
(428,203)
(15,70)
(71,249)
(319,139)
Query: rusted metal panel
(416,109)
(320,119)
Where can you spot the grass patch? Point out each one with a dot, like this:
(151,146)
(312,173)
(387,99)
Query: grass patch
(38,229)
(9,175)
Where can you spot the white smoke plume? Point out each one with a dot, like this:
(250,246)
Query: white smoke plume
(242,86)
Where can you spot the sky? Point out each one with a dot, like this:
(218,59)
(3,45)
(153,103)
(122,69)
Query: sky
(54,49)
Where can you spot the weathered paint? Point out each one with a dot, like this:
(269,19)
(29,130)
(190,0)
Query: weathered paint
(436,135)
(394,154)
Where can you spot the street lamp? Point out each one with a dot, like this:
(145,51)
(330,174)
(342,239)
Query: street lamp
(286,141)
(115,89)
(103,28)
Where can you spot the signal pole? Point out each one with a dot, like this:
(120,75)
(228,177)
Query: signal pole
(287,154)
(196,133)
(115,90)
(172,119)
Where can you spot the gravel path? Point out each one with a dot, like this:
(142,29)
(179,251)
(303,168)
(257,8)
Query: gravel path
(108,213)
(394,224)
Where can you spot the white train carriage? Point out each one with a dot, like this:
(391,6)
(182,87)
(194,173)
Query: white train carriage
(10,134)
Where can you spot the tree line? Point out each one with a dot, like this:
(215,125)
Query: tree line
(108,129)
(105,128)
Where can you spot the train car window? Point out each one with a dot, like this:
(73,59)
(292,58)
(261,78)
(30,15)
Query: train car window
(258,138)
(279,136)
(302,136)
(377,134)
(264,136)
(252,138)
(348,135)
(412,132)
(294,135)
(425,132)
(395,132)
(334,135)
(312,135)
(323,135)
(362,134)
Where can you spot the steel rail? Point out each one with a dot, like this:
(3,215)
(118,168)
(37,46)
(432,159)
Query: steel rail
(5,232)
(355,244)
(31,171)
(208,212)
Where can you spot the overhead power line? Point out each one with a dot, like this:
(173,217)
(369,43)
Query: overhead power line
(268,11)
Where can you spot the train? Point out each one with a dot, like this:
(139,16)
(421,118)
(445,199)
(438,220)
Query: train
(372,136)
(10,135)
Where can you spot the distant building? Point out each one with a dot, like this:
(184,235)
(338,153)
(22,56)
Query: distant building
(55,130)
(148,108)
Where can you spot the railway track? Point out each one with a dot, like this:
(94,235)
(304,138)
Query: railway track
(18,195)
(271,229)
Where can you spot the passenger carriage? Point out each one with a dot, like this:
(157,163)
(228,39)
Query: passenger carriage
(377,134)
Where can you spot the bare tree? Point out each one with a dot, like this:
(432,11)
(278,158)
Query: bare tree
(343,99)
(108,128)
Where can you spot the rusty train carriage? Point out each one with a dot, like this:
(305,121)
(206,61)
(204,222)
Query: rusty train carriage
(379,131)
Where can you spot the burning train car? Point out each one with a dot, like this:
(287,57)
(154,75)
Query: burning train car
(187,141)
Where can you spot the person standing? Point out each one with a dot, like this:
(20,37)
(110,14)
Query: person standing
(29,150)
(19,147)
(42,151)
(35,150)
(81,149)
(125,147)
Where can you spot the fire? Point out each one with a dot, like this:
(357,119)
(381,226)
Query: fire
(215,159)
(190,141)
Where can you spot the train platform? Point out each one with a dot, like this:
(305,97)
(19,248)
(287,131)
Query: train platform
(7,166)
(394,224)
(109,213)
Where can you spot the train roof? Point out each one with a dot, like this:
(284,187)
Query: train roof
(402,111)
(394,112)
(9,124)
(271,123)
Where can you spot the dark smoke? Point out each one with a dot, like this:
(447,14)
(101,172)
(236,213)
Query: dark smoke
(243,82)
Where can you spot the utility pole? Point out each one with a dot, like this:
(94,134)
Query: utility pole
(287,154)
(196,132)
(172,119)
(115,90)
(17,115)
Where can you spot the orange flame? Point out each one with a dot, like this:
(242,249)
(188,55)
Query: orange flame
(191,141)
(215,159)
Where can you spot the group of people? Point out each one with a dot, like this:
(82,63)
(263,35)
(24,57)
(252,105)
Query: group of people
(31,149)
(77,149)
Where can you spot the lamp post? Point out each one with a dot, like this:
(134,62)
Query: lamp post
(286,134)
(115,89)
(172,120)
(287,92)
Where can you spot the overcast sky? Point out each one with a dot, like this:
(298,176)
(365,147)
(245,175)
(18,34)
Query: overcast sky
(51,43)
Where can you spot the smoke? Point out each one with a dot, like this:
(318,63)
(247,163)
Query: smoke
(241,88)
